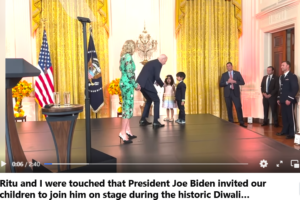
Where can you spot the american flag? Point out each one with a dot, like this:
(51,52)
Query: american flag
(44,85)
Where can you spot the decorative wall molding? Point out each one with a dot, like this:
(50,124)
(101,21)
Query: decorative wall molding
(276,27)
(277,6)
(268,7)
(277,17)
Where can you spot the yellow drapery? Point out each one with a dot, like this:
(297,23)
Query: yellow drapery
(206,42)
(103,11)
(238,14)
(36,6)
(180,14)
(65,40)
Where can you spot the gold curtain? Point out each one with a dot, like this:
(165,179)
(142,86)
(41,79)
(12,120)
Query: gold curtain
(180,14)
(103,11)
(207,41)
(65,39)
(238,14)
(36,6)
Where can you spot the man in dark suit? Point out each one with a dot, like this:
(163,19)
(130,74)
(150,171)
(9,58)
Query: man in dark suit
(287,100)
(149,75)
(269,89)
(231,81)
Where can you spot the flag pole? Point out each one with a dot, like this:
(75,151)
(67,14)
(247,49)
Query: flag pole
(91,33)
(84,21)
(44,23)
(44,29)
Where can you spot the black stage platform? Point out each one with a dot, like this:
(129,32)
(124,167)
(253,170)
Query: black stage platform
(204,144)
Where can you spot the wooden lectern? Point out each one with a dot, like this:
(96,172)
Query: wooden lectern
(61,121)
(15,69)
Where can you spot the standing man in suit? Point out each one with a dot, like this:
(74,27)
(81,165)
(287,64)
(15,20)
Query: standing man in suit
(149,75)
(269,89)
(231,81)
(287,100)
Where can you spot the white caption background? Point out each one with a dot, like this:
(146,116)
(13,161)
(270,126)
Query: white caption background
(278,186)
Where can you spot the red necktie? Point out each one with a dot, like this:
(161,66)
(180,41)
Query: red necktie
(232,87)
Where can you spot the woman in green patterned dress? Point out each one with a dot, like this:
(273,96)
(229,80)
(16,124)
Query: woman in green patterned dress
(127,86)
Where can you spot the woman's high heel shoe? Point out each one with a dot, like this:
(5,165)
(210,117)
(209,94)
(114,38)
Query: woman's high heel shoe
(131,136)
(124,141)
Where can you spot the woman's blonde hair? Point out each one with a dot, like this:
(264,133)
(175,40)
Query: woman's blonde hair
(129,43)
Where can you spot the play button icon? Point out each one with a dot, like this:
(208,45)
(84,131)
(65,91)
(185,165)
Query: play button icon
(2,163)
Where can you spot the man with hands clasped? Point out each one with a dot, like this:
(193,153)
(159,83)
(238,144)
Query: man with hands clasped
(231,81)
(269,89)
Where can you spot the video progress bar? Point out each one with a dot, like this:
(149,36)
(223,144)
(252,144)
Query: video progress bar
(145,163)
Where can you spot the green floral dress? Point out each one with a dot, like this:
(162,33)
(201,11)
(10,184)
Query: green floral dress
(127,85)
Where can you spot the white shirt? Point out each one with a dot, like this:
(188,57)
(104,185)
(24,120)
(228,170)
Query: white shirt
(267,82)
(230,73)
(286,73)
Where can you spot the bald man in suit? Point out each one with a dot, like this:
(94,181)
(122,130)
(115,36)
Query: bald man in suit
(149,76)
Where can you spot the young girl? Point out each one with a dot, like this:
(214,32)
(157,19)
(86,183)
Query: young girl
(169,97)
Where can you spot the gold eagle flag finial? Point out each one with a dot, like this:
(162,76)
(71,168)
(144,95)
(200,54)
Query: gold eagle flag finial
(44,22)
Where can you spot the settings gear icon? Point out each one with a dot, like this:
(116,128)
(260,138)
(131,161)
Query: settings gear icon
(263,163)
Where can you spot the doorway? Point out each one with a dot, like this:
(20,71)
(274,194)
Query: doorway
(282,49)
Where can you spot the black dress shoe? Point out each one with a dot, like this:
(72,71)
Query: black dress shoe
(144,122)
(157,125)
(290,137)
(243,125)
(264,124)
(276,125)
(148,123)
(280,134)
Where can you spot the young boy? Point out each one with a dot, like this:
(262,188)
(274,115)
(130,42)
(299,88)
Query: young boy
(180,97)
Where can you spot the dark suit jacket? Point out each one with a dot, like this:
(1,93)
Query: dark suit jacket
(289,88)
(149,74)
(273,86)
(180,91)
(239,81)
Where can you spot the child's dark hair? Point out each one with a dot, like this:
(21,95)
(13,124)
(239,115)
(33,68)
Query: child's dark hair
(172,80)
(181,75)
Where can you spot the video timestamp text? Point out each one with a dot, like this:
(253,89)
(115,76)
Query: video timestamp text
(22,164)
